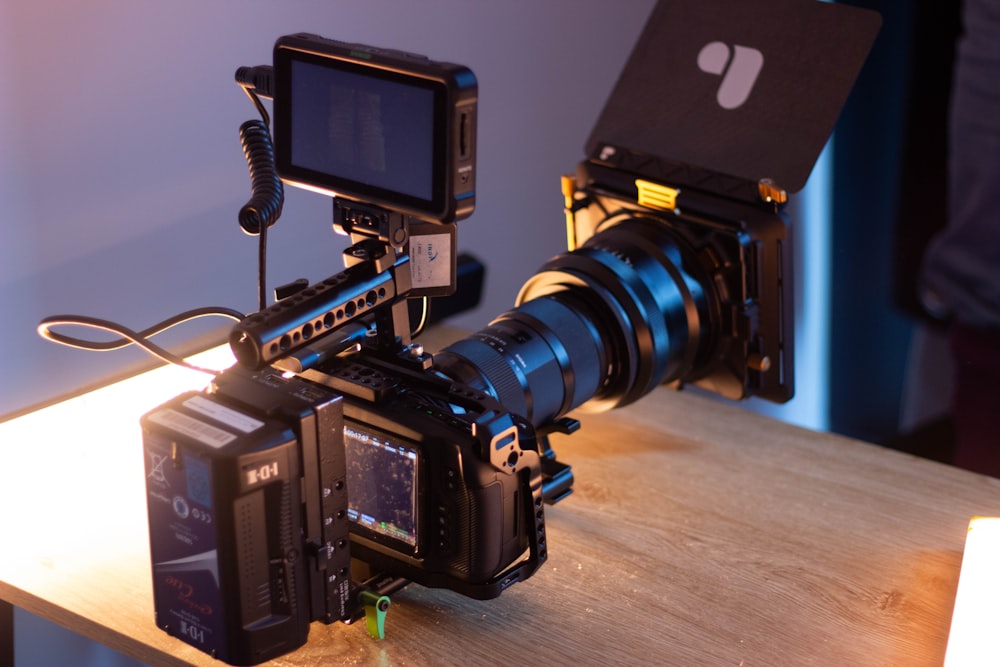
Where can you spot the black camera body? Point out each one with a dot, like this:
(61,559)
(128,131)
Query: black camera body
(445,485)
(261,488)
(333,464)
(336,445)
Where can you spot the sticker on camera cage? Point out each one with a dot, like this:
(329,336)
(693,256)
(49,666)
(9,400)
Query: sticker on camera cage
(430,260)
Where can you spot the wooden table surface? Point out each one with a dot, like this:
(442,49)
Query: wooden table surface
(698,533)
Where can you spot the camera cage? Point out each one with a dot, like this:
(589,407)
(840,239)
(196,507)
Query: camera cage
(398,159)
(724,215)
(307,332)
(399,251)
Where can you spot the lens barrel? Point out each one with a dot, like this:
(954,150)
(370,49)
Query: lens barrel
(602,325)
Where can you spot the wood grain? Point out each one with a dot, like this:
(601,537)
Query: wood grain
(698,534)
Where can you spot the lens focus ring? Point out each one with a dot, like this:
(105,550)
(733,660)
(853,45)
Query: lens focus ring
(480,350)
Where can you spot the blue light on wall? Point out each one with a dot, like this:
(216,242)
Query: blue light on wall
(811,225)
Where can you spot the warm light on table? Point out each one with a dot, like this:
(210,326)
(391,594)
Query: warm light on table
(775,562)
(975,624)
(103,420)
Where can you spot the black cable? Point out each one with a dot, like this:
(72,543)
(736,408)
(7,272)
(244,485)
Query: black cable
(128,336)
(259,79)
(255,98)
(267,192)
(262,269)
(259,213)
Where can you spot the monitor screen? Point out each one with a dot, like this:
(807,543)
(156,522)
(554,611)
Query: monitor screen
(371,130)
(382,484)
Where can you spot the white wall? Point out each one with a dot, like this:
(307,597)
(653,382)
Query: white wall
(121,173)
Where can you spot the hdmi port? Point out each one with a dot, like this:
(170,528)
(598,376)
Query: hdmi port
(464,136)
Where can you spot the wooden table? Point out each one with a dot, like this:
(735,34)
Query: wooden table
(698,533)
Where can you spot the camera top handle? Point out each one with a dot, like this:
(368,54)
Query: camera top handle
(370,293)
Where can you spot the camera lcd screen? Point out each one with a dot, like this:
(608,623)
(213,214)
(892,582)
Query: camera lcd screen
(361,132)
(382,484)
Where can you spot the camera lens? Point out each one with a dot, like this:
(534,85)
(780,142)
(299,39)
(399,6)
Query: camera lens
(602,325)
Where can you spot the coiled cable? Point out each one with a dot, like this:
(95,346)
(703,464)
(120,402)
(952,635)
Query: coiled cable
(267,194)
(259,213)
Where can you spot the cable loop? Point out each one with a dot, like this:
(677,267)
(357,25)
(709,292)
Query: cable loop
(267,193)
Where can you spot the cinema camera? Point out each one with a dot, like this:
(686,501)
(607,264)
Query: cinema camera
(335,437)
